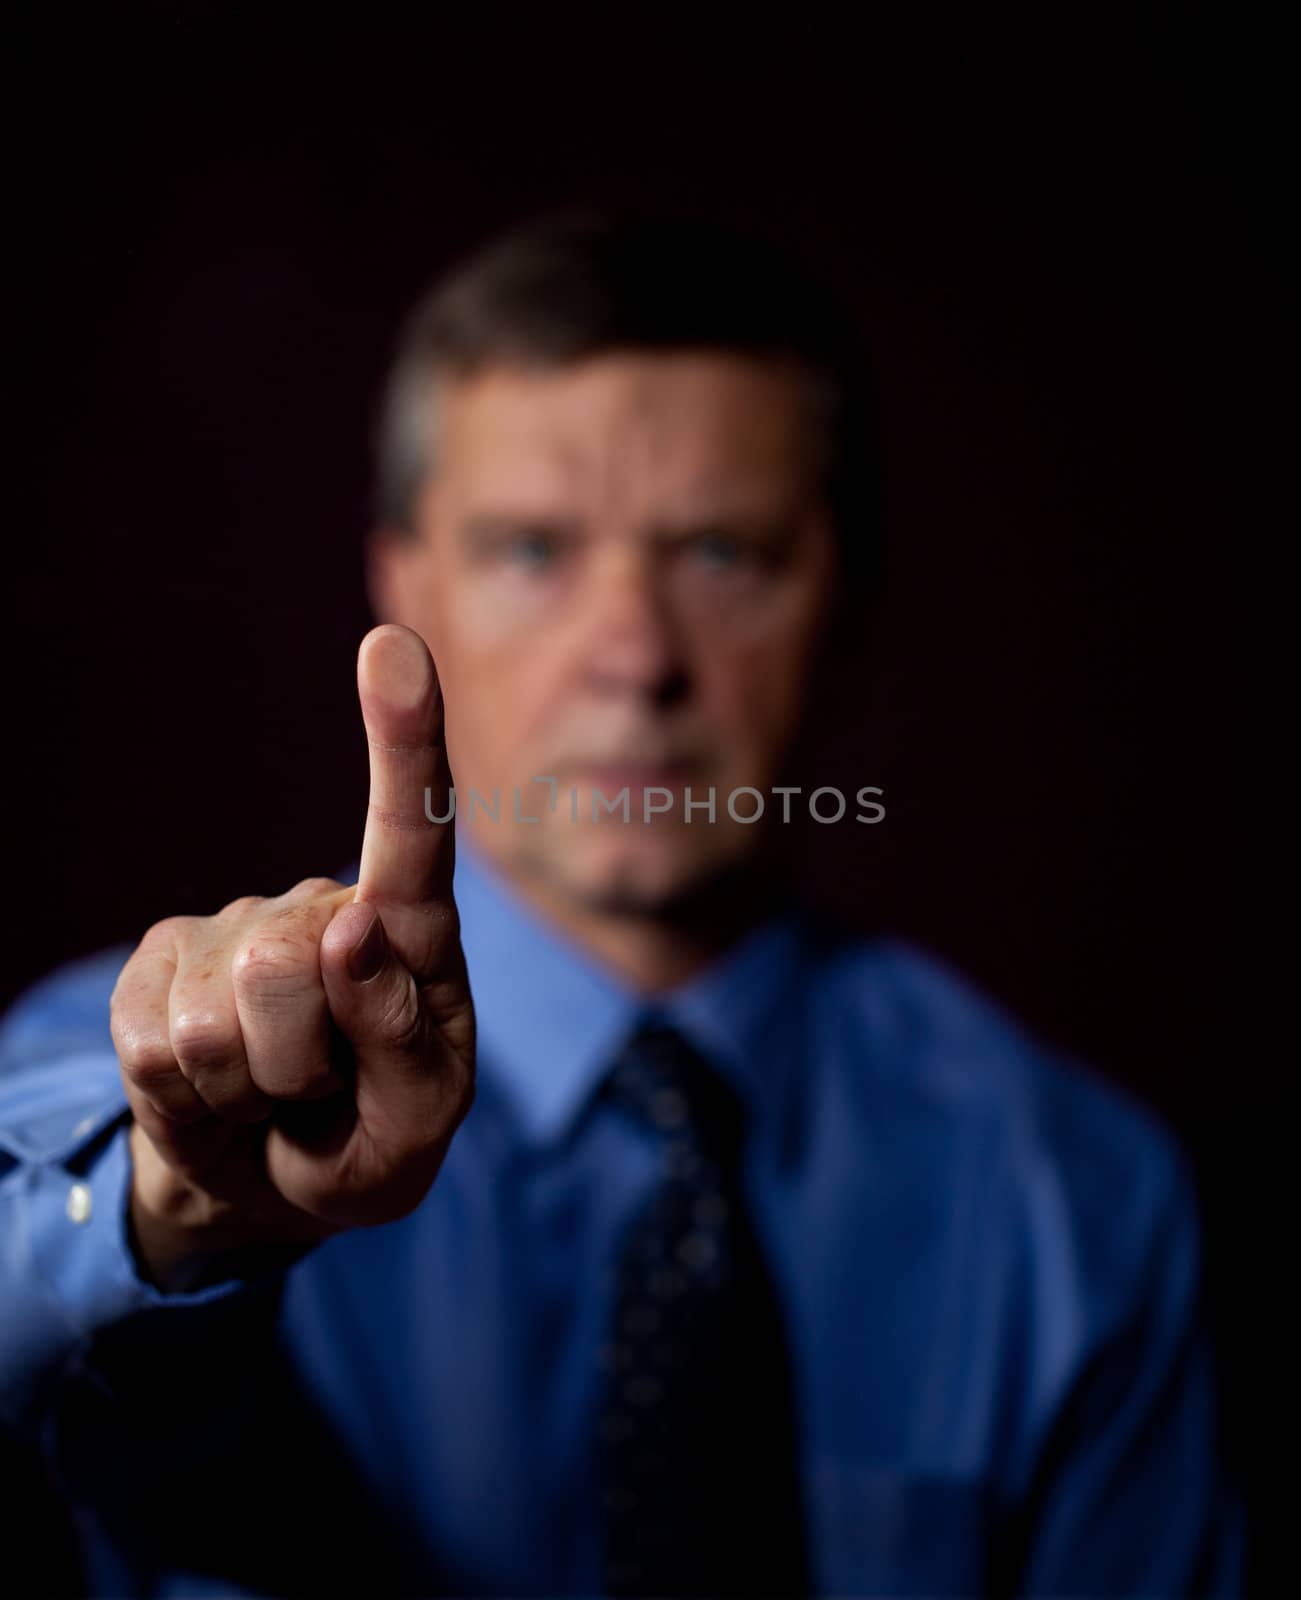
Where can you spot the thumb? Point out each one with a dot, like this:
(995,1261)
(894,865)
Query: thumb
(372,996)
(414,1072)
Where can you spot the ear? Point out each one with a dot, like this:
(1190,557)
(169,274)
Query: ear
(393,559)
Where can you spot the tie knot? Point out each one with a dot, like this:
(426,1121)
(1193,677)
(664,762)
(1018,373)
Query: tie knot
(663,1079)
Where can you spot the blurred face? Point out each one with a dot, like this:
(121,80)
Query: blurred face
(621,568)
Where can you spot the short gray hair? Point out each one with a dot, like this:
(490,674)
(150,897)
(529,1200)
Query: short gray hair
(564,287)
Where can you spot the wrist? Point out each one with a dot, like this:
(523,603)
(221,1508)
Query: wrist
(183,1237)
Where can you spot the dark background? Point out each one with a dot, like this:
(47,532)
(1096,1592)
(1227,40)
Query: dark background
(1058,234)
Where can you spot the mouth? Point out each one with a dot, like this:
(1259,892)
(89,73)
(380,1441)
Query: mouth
(611,776)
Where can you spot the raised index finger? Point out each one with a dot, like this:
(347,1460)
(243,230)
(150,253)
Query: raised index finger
(406,859)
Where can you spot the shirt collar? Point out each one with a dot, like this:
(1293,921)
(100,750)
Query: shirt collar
(552,1020)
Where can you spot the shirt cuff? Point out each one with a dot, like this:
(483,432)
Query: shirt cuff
(85,1251)
(67,1270)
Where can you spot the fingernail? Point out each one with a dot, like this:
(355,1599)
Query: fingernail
(367,956)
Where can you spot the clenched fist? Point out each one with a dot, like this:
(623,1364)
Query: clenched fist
(298,1065)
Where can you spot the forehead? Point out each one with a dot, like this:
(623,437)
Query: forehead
(678,423)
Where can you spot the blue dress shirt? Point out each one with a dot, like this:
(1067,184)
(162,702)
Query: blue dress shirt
(988,1260)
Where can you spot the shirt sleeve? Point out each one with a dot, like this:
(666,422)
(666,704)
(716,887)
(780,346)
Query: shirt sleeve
(66,1265)
(89,1349)
(1129,1495)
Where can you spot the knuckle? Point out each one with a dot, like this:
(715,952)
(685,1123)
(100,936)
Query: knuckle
(171,930)
(273,960)
(244,906)
(313,888)
(202,1038)
(402,1020)
(148,1063)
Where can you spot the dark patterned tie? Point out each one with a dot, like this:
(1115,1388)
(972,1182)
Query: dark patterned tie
(696,1432)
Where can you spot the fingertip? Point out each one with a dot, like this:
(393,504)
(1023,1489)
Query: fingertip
(395,671)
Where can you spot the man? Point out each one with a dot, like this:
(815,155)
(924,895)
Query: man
(733,1255)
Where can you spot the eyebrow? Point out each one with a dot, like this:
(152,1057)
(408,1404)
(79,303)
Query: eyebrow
(487,526)
(778,532)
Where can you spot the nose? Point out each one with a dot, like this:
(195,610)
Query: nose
(633,644)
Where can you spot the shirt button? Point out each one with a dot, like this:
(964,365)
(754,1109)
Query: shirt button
(83,1127)
(79,1203)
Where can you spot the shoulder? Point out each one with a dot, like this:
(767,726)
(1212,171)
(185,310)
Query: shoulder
(914,1016)
(1072,1165)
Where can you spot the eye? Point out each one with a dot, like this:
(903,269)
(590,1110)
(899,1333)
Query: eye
(533,550)
(720,552)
